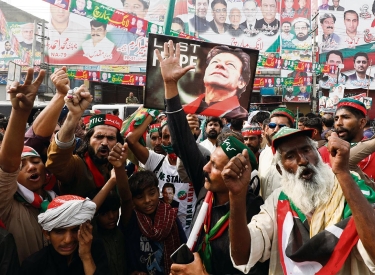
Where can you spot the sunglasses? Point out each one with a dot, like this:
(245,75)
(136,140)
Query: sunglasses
(273,125)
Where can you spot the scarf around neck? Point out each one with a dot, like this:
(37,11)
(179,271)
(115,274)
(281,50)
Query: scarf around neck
(162,229)
(98,177)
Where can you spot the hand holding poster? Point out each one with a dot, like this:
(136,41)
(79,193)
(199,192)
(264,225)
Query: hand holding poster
(220,84)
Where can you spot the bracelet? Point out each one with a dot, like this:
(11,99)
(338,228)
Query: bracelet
(64,145)
(173,112)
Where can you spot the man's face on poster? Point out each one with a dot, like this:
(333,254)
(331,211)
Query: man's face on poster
(269,10)
(104,76)
(250,11)
(336,3)
(220,13)
(94,75)
(351,22)
(235,17)
(140,79)
(334,59)
(301,30)
(81,4)
(361,64)
(154,28)
(139,24)
(302,3)
(286,27)
(201,7)
(98,33)
(135,7)
(289,4)
(224,71)
(59,15)
(302,89)
(328,26)
(7,46)
(28,33)
(278,81)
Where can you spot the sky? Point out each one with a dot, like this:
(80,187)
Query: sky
(37,8)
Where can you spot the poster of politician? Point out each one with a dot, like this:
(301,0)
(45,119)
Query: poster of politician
(249,24)
(346,38)
(220,84)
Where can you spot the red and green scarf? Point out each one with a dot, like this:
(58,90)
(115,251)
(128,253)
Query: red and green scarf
(162,229)
(215,232)
(324,253)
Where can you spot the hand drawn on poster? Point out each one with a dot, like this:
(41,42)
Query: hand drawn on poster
(208,79)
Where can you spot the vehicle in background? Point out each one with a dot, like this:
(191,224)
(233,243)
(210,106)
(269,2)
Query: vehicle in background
(6,108)
(125,110)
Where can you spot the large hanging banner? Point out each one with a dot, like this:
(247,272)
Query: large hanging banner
(210,89)
(249,24)
(346,37)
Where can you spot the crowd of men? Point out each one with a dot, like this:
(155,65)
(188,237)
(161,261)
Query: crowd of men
(278,195)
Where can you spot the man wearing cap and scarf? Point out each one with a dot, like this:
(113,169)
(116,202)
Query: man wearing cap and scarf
(268,175)
(350,119)
(213,242)
(252,135)
(223,83)
(23,190)
(66,225)
(155,138)
(315,223)
(89,169)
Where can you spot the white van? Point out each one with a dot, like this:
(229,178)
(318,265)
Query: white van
(125,110)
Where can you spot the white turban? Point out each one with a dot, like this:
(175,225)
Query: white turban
(66,211)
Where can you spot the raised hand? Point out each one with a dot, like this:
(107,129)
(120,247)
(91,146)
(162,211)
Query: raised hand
(171,69)
(193,121)
(61,81)
(85,240)
(118,155)
(237,174)
(23,96)
(78,101)
(340,151)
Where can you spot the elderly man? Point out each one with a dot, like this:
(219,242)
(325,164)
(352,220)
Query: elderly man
(328,80)
(268,25)
(199,21)
(225,79)
(304,225)
(219,14)
(235,29)
(249,10)
(27,31)
(359,78)
(213,247)
(301,28)
(268,175)
(330,40)
(66,225)
(350,120)
(89,168)
(99,47)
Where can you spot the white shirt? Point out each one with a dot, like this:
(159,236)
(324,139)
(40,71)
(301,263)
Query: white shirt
(100,52)
(208,145)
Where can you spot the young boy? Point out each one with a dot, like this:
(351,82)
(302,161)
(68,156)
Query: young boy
(152,230)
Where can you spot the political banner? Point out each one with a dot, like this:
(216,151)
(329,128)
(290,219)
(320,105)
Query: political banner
(247,24)
(108,77)
(346,32)
(298,94)
(199,89)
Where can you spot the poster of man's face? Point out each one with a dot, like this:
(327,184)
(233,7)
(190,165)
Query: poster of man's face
(220,71)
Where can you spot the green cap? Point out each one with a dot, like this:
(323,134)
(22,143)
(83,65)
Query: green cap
(232,146)
(283,111)
(288,132)
(351,102)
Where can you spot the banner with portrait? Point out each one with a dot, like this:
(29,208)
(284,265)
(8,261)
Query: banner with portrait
(346,38)
(197,86)
(238,23)
(297,94)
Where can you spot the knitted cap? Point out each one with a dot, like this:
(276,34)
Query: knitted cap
(232,146)
(283,111)
(288,132)
(350,102)
(29,152)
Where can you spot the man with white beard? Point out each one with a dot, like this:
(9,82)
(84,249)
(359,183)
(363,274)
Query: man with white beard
(317,221)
